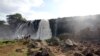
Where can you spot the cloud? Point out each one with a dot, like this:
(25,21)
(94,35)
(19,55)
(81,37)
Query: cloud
(32,15)
(78,7)
(45,9)
(17,5)
(20,6)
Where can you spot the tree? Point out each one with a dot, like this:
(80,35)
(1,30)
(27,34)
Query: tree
(2,22)
(15,19)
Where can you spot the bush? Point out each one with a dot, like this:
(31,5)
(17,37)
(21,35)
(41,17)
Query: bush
(52,42)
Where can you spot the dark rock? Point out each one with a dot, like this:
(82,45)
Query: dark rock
(31,53)
(89,54)
(78,54)
(32,45)
(18,50)
(27,37)
(25,42)
(97,52)
(86,51)
(38,54)
(41,52)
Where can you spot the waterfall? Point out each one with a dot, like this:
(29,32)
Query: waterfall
(25,29)
(44,31)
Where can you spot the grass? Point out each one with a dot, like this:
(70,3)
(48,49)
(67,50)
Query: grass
(8,48)
(7,42)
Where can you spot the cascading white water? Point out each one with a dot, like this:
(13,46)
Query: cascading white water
(44,31)
(24,30)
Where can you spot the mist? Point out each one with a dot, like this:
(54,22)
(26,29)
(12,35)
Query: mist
(77,26)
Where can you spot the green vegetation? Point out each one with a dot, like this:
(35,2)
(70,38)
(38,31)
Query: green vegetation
(6,42)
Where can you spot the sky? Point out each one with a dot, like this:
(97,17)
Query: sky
(47,9)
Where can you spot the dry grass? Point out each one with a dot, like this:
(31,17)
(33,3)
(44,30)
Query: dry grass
(10,49)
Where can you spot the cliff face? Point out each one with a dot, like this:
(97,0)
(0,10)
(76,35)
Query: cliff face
(11,32)
(59,26)
(55,27)
(6,32)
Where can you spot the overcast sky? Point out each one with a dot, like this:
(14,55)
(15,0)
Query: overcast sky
(46,9)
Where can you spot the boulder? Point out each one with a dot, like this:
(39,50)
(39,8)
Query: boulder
(70,42)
